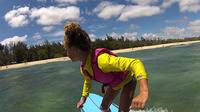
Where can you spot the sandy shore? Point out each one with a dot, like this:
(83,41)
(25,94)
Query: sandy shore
(116,51)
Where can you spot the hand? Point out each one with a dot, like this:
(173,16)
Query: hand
(139,101)
(81,102)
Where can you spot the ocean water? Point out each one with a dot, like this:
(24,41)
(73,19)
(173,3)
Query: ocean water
(174,79)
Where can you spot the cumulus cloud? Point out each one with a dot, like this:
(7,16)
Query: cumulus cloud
(44,16)
(134,27)
(88,12)
(133,11)
(17,17)
(107,10)
(47,28)
(58,34)
(94,28)
(150,36)
(126,35)
(189,5)
(181,20)
(168,3)
(92,36)
(174,32)
(37,36)
(14,40)
(194,26)
(130,36)
(42,0)
(69,1)
(143,2)
(54,15)
(184,5)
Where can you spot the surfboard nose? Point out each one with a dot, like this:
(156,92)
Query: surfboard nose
(93,103)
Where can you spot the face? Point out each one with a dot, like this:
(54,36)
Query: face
(72,53)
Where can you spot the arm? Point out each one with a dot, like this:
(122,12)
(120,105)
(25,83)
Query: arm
(85,91)
(112,63)
(86,87)
(140,100)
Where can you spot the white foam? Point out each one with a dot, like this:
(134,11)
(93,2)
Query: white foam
(153,109)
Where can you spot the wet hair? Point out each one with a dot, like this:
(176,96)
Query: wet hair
(77,37)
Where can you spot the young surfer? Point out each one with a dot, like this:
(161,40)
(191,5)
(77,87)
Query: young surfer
(102,65)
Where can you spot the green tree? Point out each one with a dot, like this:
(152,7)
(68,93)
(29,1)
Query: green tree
(42,54)
(19,51)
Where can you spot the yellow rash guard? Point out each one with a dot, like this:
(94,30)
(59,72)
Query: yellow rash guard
(110,63)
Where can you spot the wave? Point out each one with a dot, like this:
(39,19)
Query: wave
(153,109)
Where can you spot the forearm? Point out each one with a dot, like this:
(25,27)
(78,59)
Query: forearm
(140,100)
(83,98)
(143,86)
(86,88)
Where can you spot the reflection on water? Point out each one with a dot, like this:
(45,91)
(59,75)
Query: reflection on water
(55,87)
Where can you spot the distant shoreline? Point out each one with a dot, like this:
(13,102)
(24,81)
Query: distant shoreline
(26,64)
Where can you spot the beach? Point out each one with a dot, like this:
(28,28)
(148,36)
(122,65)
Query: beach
(26,64)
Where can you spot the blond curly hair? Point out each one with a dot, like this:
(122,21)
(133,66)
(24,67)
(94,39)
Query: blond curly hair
(76,36)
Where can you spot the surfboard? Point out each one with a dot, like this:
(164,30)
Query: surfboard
(93,103)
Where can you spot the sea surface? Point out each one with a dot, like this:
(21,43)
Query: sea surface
(173,75)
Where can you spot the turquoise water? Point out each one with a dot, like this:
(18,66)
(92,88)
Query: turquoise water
(174,79)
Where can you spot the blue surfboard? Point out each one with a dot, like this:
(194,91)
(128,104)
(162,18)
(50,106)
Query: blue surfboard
(93,103)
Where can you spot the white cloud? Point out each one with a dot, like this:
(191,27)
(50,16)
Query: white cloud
(48,28)
(189,5)
(54,15)
(194,26)
(168,3)
(92,37)
(174,32)
(181,20)
(150,36)
(126,35)
(42,0)
(44,16)
(69,1)
(18,18)
(94,28)
(134,26)
(88,12)
(135,11)
(130,36)
(143,2)
(107,10)
(37,36)
(14,40)
(58,34)
(184,5)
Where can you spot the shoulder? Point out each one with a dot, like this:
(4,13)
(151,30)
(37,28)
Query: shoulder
(103,57)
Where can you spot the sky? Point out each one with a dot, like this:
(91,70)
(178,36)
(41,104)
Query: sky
(34,21)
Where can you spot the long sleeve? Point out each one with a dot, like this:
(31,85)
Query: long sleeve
(86,85)
(110,63)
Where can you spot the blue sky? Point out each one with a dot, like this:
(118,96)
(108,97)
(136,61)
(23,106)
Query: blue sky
(33,21)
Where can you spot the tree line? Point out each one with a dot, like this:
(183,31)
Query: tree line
(21,52)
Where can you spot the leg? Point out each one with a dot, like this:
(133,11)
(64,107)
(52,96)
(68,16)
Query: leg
(127,96)
(109,95)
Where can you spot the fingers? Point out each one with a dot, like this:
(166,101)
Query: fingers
(137,104)
(81,102)
(79,105)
